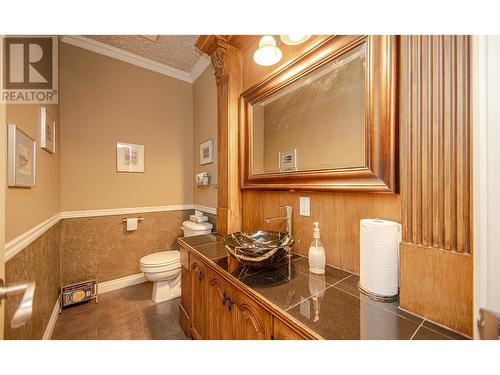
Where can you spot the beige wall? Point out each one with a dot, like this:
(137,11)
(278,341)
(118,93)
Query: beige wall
(103,101)
(205,127)
(28,207)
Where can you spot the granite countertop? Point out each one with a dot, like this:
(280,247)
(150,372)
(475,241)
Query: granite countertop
(330,304)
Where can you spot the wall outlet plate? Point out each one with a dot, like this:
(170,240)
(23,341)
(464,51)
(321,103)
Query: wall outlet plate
(305,204)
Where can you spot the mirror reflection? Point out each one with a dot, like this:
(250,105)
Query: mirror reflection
(316,123)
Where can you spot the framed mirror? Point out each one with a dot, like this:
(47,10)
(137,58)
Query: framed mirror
(326,121)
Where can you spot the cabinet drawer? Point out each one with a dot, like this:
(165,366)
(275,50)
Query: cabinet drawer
(283,331)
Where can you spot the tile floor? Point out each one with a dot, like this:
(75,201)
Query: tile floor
(123,314)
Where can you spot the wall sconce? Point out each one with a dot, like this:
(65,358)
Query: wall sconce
(267,54)
(294,39)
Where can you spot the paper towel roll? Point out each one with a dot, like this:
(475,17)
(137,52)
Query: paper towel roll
(379,256)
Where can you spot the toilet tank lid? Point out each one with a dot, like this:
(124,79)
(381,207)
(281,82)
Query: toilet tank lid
(161,258)
(196,226)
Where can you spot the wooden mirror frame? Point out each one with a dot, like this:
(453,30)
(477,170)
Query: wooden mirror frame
(381,161)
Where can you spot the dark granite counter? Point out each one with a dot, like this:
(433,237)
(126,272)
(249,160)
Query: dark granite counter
(330,304)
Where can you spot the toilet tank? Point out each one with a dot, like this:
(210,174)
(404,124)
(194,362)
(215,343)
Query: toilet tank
(194,229)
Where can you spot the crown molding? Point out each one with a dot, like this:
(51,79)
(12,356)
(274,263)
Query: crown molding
(128,57)
(200,66)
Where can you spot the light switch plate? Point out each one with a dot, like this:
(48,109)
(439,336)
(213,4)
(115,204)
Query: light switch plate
(305,206)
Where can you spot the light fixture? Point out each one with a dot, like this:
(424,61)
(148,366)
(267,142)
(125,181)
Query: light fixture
(294,39)
(267,54)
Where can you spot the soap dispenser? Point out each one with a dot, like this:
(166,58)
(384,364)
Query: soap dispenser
(317,258)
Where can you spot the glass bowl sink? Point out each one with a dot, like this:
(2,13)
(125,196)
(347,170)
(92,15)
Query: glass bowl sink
(259,248)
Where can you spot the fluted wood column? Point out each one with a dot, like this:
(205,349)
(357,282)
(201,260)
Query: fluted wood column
(435,159)
(227,63)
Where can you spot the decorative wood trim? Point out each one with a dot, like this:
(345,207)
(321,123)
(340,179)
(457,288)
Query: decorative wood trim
(380,172)
(227,63)
(128,57)
(435,141)
(206,209)
(16,245)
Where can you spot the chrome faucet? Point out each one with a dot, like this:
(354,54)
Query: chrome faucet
(287,219)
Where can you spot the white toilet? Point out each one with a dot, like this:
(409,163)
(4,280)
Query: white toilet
(164,268)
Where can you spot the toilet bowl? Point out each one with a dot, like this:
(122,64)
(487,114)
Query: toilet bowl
(164,270)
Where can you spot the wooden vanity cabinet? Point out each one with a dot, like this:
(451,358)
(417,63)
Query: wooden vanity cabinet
(233,315)
(213,307)
(198,279)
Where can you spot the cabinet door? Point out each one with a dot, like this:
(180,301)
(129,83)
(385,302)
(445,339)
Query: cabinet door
(198,298)
(220,316)
(252,322)
(283,331)
(185,307)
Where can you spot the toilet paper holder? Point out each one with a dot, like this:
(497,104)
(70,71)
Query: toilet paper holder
(139,219)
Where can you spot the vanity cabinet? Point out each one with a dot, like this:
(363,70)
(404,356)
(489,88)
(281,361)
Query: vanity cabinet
(198,286)
(215,307)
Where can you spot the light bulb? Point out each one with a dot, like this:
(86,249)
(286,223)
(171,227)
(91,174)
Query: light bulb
(294,39)
(267,54)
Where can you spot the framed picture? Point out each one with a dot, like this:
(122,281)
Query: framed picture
(47,131)
(129,157)
(207,152)
(288,160)
(21,158)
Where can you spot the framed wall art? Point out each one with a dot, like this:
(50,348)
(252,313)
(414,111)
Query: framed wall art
(21,158)
(207,152)
(129,157)
(47,131)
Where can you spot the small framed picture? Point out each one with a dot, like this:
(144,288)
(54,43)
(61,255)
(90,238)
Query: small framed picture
(47,131)
(21,158)
(288,160)
(207,152)
(129,157)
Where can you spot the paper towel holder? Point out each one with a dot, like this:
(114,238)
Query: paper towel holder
(377,297)
(139,219)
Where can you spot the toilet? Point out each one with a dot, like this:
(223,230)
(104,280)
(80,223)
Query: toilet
(164,267)
(164,270)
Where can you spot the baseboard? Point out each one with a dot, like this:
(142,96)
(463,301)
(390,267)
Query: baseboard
(52,321)
(122,282)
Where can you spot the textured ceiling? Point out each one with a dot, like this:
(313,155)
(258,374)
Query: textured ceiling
(177,51)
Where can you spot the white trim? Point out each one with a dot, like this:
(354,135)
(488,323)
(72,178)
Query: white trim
(200,66)
(19,243)
(485,178)
(209,210)
(128,57)
(124,211)
(52,321)
(122,282)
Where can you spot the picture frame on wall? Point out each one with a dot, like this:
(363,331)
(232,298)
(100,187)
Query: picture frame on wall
(47,131)
(129,157)
(207,152)
(21,158)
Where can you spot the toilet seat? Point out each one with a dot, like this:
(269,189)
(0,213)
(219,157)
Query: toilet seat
(161,259)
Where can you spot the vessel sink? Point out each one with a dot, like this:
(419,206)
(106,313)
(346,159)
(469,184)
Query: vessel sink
(259,248)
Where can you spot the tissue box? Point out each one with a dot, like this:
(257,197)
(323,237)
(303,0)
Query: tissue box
(198,219)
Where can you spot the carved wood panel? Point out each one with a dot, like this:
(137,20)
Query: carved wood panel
(435,122)
(198,298)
